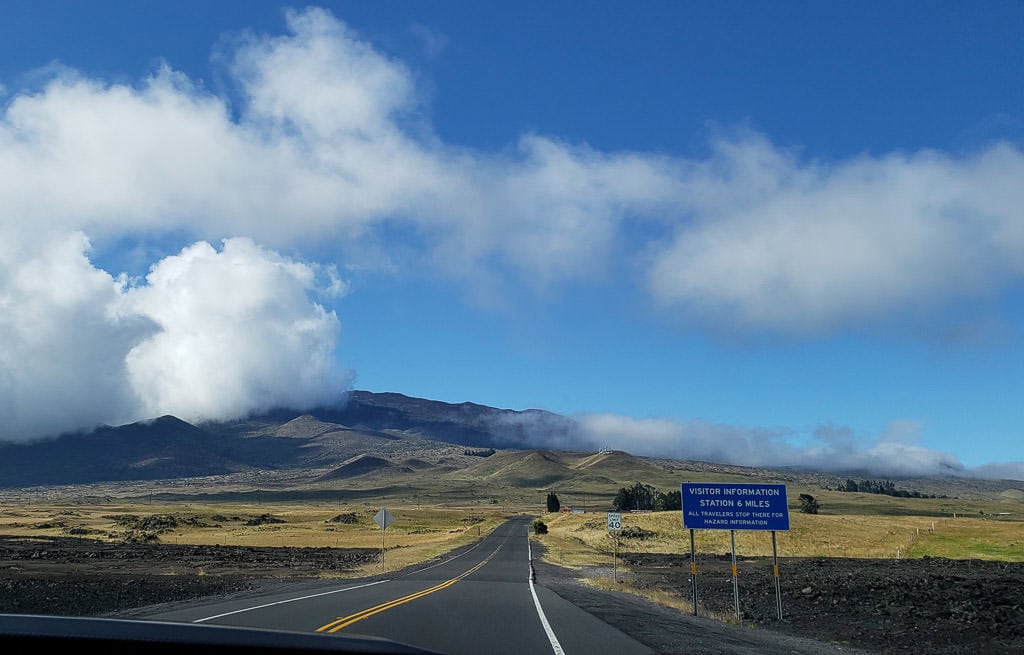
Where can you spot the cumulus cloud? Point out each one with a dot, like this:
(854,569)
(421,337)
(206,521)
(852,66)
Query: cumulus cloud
(800,246)
(208,335)
(62,343)
(329,132)
(237,333)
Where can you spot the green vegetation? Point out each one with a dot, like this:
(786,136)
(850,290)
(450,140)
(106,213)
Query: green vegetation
(644,497)
(809,504)
(540,527)
(883,487)
(553,504)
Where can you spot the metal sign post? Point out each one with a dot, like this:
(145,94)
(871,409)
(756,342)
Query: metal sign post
(693,572)
(729,506)
(775,570)
(383,518)
(735,579)
(615,558)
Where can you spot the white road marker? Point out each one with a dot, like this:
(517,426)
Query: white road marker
(555,646)
(427,568)
(288,600)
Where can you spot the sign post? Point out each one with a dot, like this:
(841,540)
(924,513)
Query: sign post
(775,572)
(383,518)
(728,506)
(614,526)
(735,577)
(693,572)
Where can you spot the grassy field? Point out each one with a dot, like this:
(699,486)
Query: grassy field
(582,539)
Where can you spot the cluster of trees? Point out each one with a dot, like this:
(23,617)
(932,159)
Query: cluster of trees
(645,497)
(884,487)
(554,505)
(486,452)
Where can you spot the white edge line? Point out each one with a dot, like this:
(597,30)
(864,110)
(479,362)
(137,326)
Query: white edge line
(427,568)
(334,591)
(555,646)
(288,600)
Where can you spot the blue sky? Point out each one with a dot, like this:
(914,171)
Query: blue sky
(787,233)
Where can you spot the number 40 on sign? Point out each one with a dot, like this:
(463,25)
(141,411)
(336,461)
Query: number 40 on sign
(614,521)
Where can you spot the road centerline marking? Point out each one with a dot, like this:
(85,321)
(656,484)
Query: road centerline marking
(345,621)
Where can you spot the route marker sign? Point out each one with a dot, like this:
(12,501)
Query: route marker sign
(614,521)
(383,518)
(727,506)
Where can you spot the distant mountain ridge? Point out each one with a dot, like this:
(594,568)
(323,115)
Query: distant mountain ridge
(381,436)
(168,447)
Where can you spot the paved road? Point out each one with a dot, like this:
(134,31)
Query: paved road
(481,601)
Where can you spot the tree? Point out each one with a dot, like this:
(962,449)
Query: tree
(638,497)
(673,500)
(553,503)
(809,504)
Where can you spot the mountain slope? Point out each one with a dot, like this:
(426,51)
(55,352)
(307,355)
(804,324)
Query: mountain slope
(166,447)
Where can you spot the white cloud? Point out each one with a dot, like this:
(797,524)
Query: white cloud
(796,246)
(237,333)
(832,449)
(329,141)
(62,347)
(209,335)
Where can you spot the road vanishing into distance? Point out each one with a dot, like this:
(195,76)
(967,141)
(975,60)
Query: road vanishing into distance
(480,601)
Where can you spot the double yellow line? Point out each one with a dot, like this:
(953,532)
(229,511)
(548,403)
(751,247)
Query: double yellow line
(346,621)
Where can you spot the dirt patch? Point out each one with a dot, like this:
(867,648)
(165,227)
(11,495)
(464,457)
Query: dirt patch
(929,605)
(86,577)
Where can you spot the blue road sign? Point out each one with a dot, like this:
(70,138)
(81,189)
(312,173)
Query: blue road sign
(722,506)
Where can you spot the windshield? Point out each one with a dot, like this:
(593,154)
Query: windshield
(533,327)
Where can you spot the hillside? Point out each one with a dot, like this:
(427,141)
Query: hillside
(388,441)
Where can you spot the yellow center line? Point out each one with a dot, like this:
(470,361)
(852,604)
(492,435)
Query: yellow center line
(345,621)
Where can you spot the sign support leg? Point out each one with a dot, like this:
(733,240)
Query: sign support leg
(775,563)
(693,571)
(382,569)
(615,559)
(735,581)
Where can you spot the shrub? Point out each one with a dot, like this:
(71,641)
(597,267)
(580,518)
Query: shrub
(809,504)
(540,527)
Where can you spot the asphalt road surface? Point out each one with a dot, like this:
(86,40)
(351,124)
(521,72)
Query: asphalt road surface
(481,601)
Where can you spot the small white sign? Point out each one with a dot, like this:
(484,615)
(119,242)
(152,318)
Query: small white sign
(614,521)
(383,518)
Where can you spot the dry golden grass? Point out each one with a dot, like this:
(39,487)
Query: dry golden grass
(582,539)
(418,534)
